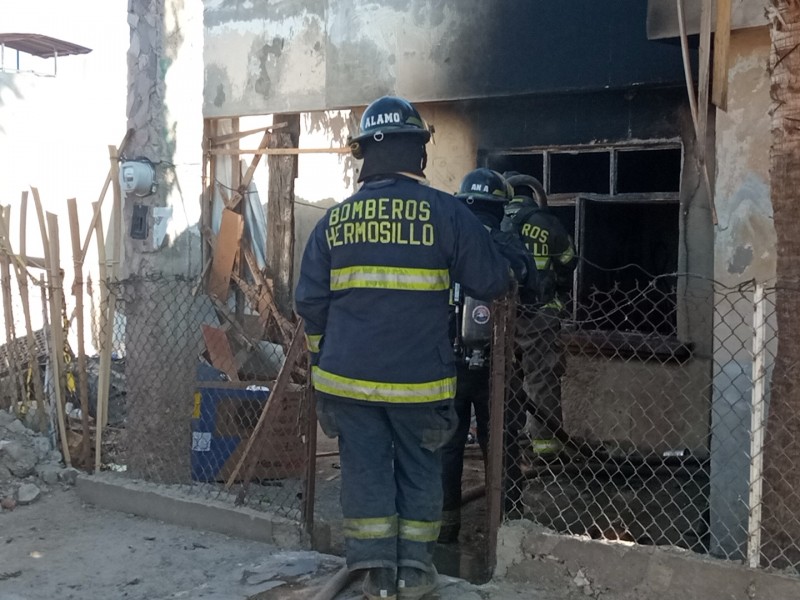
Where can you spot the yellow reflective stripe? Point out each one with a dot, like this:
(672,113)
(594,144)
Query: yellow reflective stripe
(371,529)
(390,278)
(419,531)
(378,391)
(312,341)
(542,262)
(566,256)
(555,303)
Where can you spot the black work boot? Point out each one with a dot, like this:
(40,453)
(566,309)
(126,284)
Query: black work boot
(380,584)
(451,526)
(414,584)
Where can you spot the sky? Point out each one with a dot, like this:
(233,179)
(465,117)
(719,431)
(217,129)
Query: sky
(54,131)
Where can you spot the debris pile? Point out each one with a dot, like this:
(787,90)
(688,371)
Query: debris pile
(29,466)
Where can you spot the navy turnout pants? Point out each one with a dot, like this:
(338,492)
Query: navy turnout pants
(391,478)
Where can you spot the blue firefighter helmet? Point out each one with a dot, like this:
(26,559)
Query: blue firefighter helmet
(386,117)
(484,185)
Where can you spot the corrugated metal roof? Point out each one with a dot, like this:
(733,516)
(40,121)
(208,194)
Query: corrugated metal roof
(41,45)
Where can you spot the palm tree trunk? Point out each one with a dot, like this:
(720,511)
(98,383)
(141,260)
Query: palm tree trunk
(781,525)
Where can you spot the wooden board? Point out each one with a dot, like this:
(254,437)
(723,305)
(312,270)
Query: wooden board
(56,302)
(227,247)
(219,351)
(722,44)
(77,292)
(282,454)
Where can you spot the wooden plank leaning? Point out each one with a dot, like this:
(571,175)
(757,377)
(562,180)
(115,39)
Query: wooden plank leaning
(99,204)
(103,325)
(33,351)
(77,292)
(722,45)
(12,347)
(225,251)
(237,196)
(56,302)
(276,393)
(110,282)
(56,351)
(267,294)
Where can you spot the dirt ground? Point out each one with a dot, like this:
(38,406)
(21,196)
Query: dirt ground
(59,548)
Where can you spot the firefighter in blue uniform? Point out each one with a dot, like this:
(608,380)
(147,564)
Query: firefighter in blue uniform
(374,294)
(486,193)
(538,337)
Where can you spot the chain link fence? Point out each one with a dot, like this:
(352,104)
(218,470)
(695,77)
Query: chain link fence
(193,406)
(661,413)
(189,403)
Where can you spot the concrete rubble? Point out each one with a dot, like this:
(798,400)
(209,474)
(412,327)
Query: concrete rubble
(29,466)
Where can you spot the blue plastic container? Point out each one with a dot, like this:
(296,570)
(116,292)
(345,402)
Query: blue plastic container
(222,420)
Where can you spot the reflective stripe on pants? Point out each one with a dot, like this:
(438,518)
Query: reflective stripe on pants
(391,478)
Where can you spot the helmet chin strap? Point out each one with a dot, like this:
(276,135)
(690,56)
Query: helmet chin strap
(395,154)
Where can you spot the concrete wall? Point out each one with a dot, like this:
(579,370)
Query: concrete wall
(745,239)
(744,249)
(163,317)
(640,405)
(303,55)
(165,112)
(537,558)
(662,17)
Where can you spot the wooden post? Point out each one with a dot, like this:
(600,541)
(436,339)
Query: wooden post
(226,249)
(8,310)
(77,291)
(310,482)
(114,168)
(111,281)
(280,213)
(501,349)
(33,354)
(757,426)
(275,394)
(57,331)
(722,44)
(103,379)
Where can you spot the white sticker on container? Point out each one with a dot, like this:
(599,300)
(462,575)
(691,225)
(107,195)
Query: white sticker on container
(201,441)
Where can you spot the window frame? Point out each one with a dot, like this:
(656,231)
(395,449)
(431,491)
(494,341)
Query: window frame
(661,346)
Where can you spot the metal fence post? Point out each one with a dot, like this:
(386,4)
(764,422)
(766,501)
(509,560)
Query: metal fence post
(757,420)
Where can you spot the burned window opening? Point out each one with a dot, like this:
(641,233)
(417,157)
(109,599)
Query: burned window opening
(648,171)
(626,278)
(620,205)
(586,172)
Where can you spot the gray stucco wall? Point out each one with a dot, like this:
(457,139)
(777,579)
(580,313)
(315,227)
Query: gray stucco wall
(662,16)
(744,250)
(303,55)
